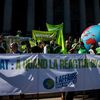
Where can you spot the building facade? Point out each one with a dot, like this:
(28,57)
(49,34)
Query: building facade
(27,15)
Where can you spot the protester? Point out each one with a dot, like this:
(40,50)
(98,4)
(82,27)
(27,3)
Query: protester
(54,47)
(82,49)
(52,44)
(18,33)
(38,48)
(92,49)
(14,48)
(67,45)
(70,39)
(75,47)
(98,49)
(46,48)
(25,47)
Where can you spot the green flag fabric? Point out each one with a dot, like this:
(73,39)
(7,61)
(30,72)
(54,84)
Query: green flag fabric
(32,43)
(52,27)
(60,38)
(43,35)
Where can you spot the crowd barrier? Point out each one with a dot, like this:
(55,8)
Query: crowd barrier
(48,73)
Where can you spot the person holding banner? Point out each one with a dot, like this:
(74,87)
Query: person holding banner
(92,49)
(14,48)
(54,47)
(38,48)
(82,49)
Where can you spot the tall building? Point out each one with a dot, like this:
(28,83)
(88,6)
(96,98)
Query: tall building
(27,15)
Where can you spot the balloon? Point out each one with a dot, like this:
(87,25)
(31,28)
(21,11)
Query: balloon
(91,35)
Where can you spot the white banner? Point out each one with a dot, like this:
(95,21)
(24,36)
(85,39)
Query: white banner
(45,73)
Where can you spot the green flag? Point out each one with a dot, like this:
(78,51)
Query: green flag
(23,47)
(60,38)
(32,43)
(51,27)
(43,35)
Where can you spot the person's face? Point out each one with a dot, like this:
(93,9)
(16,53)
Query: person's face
(67,42)
(13,48)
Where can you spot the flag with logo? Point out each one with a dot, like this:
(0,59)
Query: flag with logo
(43,35)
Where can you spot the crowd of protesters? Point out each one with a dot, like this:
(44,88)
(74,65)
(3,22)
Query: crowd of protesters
(72,46)
(76,46)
